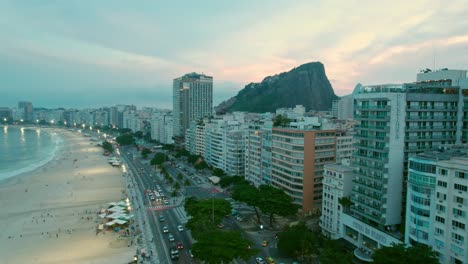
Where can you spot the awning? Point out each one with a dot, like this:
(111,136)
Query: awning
(214,179)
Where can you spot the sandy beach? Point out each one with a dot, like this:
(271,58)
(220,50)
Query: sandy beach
(49,215)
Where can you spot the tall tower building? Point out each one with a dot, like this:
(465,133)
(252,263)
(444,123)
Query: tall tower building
(192,100)
(396,122)
(27,110)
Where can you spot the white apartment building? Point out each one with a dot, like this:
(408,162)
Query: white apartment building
(192,100)
(345,107)
(437,203)
(195,138)
(345,145)
(337,183)
(224,144)
(258,152)
(396,122)
(161,127)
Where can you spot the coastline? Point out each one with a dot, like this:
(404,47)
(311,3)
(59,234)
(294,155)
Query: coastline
(49,214)
(6,176)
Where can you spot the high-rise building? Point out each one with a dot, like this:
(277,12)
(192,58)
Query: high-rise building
(396,122)
(298,157)
(192,100)
(437,203)
(337,185)
(258,152)
(27,109)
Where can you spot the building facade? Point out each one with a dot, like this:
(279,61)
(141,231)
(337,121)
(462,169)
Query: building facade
(192,100)
(437,203)
(298,159)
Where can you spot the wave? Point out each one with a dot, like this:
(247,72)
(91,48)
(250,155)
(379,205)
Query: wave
(57,139)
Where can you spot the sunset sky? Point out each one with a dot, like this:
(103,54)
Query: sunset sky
(96,53)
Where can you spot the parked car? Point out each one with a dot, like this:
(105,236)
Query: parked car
(260,260)
(180,228)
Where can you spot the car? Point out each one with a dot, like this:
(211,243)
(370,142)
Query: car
(260,260)
(240,218)
(161,218)
(190,253)
(220,225)
(166,202)
(171,238)
(180,245)
(165,229)
(270,260)
(180,228)
(265,243)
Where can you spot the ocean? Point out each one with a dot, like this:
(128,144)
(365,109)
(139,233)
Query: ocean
(25,149)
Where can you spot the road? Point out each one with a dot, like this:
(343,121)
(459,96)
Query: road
(145,177)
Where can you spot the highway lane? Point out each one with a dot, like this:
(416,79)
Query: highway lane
(155,210)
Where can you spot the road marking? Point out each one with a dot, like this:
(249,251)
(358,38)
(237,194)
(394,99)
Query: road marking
(159,207)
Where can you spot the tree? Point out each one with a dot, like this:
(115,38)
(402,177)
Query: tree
(125,139)
(298,241)
(107,146)
(276,201)
(280,120)
(248,194)
(145,152)
(218,172)
(175,193)
(187,182)
(138,134)
(169,147)
(176,186)
(180,176)
(232,180)
(201,165)
(345,202)
(218,246)
(158,159)
(334,253)
(182,152)
(399,253)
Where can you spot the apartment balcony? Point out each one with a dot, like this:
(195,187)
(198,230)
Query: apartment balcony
(431,108)
(370,137)
(373,128)
(432,118)
(372,117)
(367,184)
(359,211)
(430,128)
(430,138)
(371,158)
(368,204)
(373,107)
(368,194)
(370,147)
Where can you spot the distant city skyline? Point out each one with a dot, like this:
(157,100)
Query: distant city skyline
(101,53)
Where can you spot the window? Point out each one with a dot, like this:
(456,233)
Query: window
(461,175)
(457,238)
(460,187)
(458,224)
(440,219)
(443,172)
(442,184)
(459,199)
(439,231)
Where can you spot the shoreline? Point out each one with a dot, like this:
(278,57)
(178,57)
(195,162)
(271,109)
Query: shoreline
(56,152)
(49,214)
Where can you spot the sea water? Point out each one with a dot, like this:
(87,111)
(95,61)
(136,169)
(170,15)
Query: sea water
(24,149)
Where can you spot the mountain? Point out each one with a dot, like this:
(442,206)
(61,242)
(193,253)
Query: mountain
(305,85)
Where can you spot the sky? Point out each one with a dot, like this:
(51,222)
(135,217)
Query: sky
(87,53)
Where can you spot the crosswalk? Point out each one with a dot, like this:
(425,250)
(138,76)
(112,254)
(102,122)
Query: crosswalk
(159,207)
(181,214)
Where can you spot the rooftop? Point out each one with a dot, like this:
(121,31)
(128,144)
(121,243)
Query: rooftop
(445,153)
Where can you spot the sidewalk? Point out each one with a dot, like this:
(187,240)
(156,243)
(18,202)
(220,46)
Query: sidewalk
(141,222)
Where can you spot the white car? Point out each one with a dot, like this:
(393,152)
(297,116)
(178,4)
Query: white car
(171,238)
(165,229)
(180,228)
